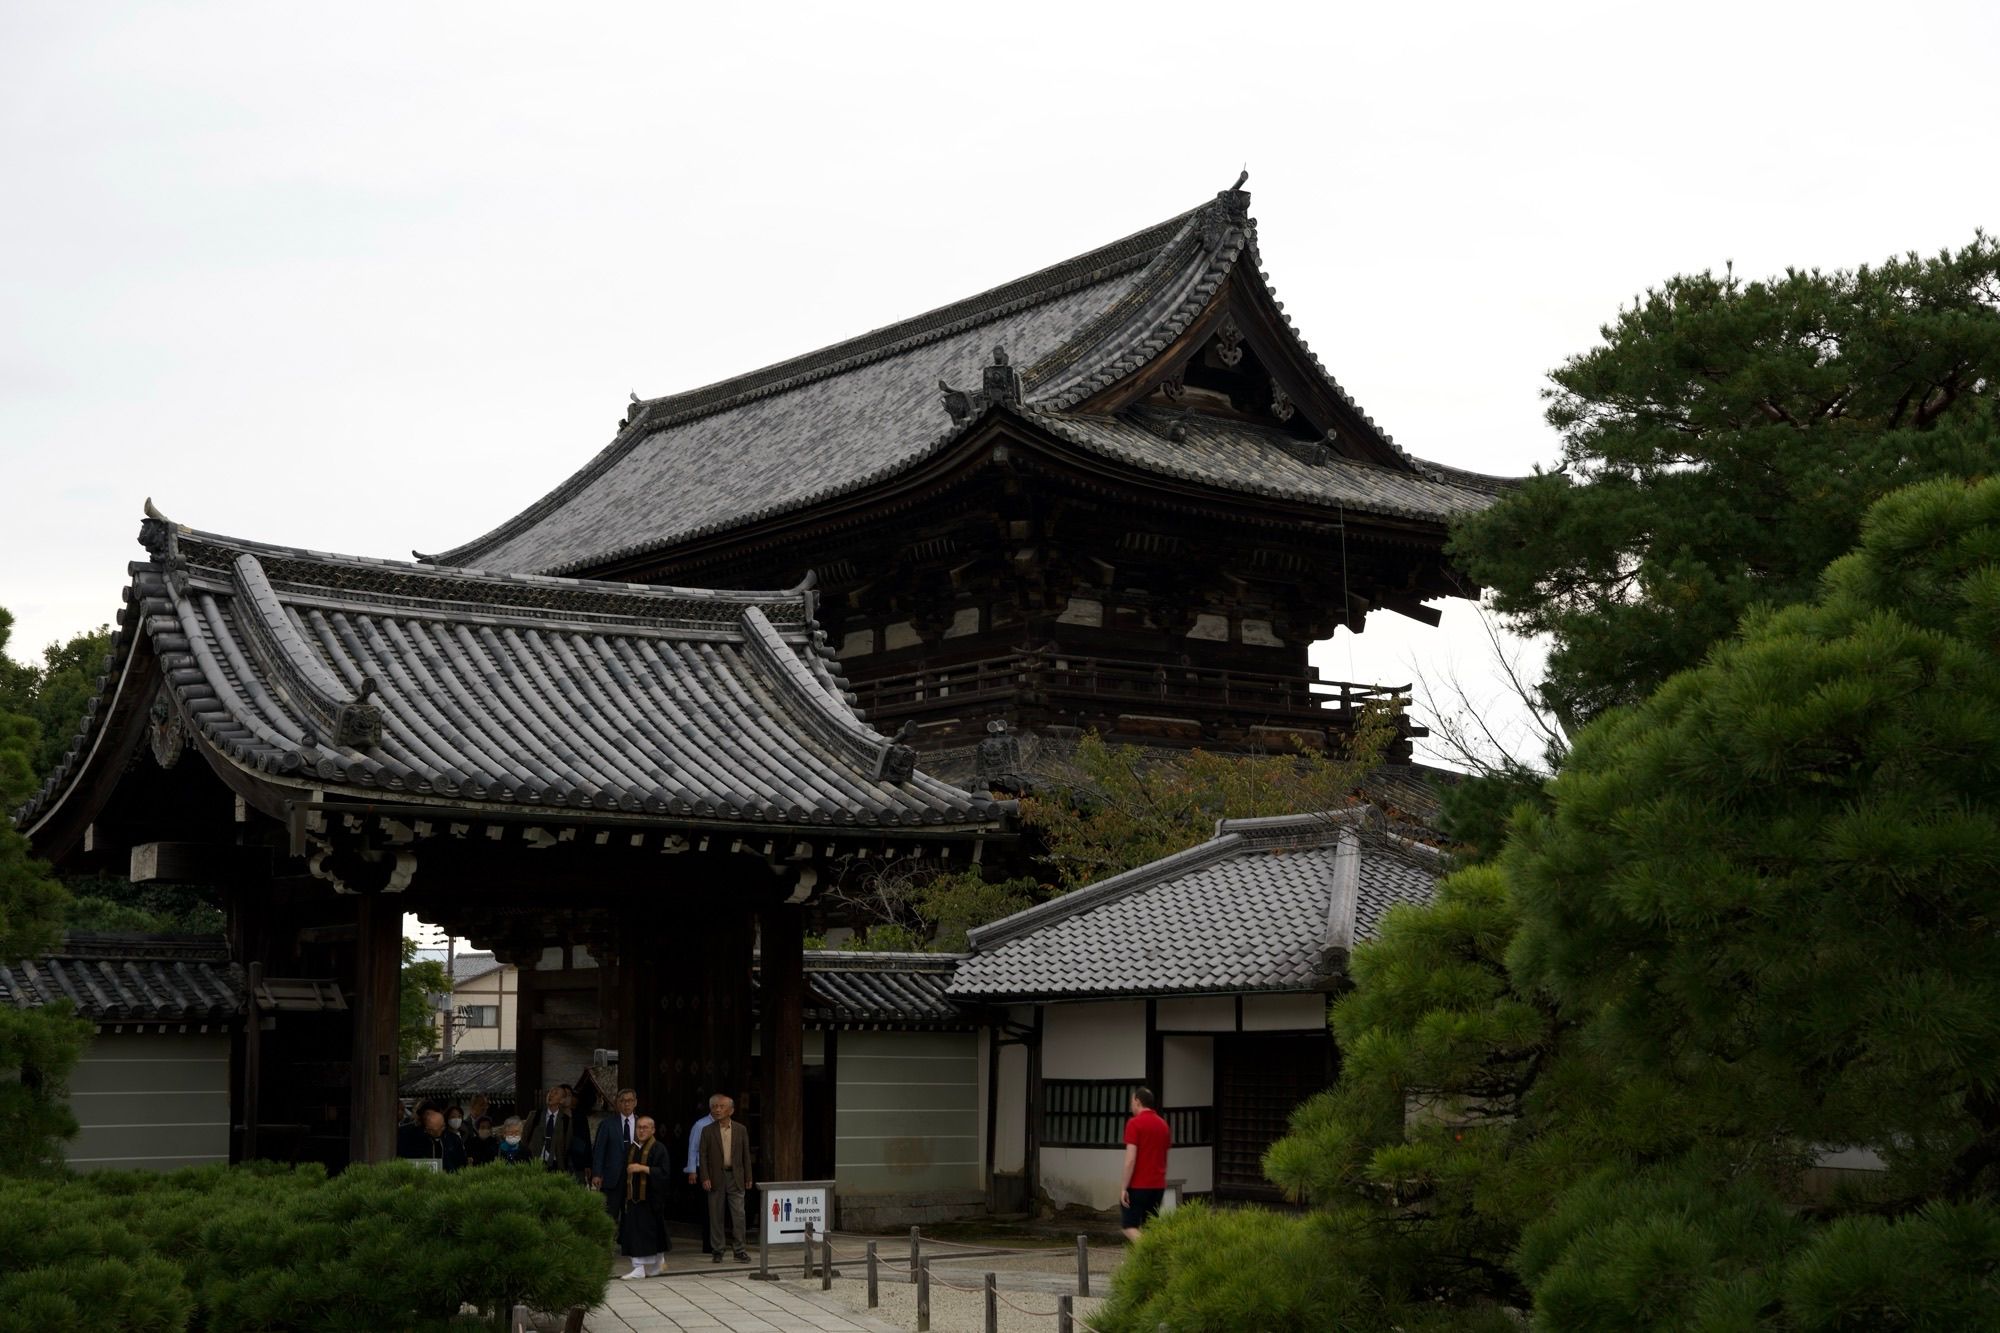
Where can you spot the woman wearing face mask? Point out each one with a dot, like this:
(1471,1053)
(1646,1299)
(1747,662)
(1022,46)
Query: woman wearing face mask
(484,1145)
(511,1151)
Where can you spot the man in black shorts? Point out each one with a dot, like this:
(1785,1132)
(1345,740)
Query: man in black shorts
(1147,1140)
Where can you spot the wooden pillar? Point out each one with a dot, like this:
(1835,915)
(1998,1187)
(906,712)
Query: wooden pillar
(378,954)
(781,1062)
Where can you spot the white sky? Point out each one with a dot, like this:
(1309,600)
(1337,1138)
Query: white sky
(371,277)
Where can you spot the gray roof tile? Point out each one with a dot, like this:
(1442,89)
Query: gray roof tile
(867,409)
(130,979)
(866,989)
(1253,909)
(464,688)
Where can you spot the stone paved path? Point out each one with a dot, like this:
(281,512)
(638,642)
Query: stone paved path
(724,1304)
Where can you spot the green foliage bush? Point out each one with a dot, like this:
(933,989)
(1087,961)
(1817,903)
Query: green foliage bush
(229,1249)
(1200,1269)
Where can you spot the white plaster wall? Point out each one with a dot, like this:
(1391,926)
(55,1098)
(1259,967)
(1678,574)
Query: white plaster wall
(1194,1166)
(1010,1132)
(1284,1013)
(985,1058)
(1187,1074)
(1097,1040)
(1199,1013)
(150,1102)
(1087,1176)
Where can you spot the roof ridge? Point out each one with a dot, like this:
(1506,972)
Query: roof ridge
(653,415)
(1232,837)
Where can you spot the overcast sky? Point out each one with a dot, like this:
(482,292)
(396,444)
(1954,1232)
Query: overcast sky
(367,278)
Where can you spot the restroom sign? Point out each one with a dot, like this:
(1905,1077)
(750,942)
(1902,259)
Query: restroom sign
(789,1205)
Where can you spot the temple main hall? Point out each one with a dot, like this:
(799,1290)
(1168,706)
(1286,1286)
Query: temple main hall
(840,608)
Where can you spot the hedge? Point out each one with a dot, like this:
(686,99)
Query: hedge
(221,1249)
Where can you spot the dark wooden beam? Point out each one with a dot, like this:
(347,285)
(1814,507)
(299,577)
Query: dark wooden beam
(782,1062)
(199,863)
(378,958)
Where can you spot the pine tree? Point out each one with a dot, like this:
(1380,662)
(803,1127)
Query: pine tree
(38,1047)
(1719,449)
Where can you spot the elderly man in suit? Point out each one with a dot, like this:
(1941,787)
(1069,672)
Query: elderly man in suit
(615,1134)
(552,1132)
(725,1175)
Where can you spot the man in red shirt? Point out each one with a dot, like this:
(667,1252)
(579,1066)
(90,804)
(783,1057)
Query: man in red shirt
(1147,1139)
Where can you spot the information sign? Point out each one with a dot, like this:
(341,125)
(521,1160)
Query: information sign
(788,1207)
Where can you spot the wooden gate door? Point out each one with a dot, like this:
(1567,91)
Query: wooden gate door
(1259,1078)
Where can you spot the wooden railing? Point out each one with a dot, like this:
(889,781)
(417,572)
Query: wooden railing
(1054,678)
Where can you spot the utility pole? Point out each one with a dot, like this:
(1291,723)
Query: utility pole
(445,1014)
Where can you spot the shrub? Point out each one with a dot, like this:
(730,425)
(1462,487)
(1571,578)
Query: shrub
(1201,1268)
(260,1247)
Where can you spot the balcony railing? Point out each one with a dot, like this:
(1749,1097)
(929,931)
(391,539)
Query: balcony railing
(1062,682)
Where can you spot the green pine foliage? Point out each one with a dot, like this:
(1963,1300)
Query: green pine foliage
(236,1249)
(1754,920)
(38,1047)
(1719,448)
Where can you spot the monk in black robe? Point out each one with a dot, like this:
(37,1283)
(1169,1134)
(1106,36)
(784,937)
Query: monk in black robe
(639,1198)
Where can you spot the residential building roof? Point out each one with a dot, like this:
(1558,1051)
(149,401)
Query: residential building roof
(1271,904)
(130,979)
(466,966)
(462,1077)
(865,410)
(327,678)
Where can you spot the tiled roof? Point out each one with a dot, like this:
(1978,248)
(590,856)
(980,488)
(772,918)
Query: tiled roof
(466,966)
(868,409)
(1267,904)
(1256,460)
(864,989)
(469,1073)
(114,979)
(459,688)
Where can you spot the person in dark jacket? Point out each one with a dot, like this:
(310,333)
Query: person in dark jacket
(429,1141)
(639,1189)
(482,1147)
(552,1133)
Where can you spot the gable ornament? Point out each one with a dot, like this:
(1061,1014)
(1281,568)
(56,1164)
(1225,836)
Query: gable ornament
(166,733)
(1229,345)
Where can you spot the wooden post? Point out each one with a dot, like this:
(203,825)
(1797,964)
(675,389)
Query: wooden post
(807,1275)
(378,960)
(924,1298)
(782,1062)
(253,1061)
(992,1303)
(1082,1265)
(1065,1313)
(826,1262)
(916,1255)
(874,1294)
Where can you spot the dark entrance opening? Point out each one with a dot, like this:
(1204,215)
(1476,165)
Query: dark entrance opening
(1259,1078)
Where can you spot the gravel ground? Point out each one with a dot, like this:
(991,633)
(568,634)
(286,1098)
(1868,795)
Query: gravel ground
(1030,1278)
(958,1311)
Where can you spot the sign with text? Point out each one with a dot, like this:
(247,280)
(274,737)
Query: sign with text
(789,1205)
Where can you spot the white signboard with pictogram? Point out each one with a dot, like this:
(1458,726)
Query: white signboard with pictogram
(789,1206)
